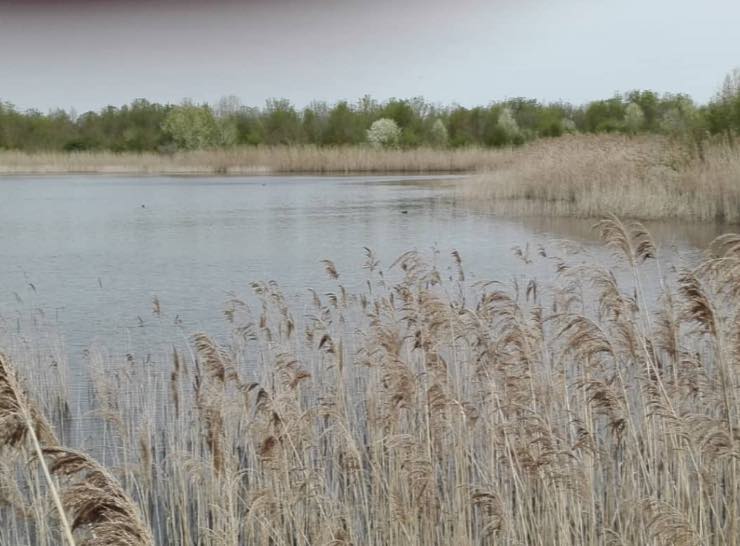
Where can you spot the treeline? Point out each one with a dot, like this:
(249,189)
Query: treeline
(146,126)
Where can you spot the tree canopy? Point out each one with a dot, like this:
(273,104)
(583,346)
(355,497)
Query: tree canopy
(147,126)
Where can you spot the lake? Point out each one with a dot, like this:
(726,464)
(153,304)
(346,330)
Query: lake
(82,259)
(87,254)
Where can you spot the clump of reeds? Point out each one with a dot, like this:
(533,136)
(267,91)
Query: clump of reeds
(253,160)
(636,177)
(428,409)
(643,177)
(102,513)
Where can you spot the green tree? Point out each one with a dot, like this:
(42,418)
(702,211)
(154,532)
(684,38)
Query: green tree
(550,121)
(343,126)
(680,115)
(281,123)
(314,122)
(406,114)
(458,127)
(649,103)
(192,127)
(249,128)
(605,115)
(723,111)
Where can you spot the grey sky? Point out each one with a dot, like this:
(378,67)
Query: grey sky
(87,54)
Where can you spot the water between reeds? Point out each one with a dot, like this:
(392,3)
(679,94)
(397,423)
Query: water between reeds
(87,255)
(90,255)
(91,252)
(99,270)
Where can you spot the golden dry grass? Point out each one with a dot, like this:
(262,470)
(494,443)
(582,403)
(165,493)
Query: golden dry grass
(591,176)
(646,177)
(251,160)
(429,411)
(91,507)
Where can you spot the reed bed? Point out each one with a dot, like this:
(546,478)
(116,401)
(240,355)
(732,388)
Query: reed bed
(426,410)
(252,160)
(645,178)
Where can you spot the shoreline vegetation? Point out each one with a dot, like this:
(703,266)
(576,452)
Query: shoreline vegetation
(144,126)
(253,160)
(423,410)
(644,177)
(639,154)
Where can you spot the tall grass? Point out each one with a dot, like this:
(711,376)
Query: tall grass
(100,512)
(645,177)
(429,410)
(252,160)
(591,176)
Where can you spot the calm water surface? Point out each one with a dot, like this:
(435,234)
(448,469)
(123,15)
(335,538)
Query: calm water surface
(90,252)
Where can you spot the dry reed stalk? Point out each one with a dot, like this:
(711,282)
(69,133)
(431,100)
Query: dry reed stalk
(253,160)
(645,178)
(429,409)
(103,513)
(101,509)
(20,418)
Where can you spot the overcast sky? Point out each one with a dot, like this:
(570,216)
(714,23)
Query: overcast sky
(87,54)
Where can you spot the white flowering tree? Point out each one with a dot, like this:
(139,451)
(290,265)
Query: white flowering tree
(678,120)
(568,125)
(384,133)
(508,124)
(634,118)
(438,134)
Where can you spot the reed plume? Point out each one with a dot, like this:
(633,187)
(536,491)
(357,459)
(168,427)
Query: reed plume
(102,512)
(425,409)
(19,419)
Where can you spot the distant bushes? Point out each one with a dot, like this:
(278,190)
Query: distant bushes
(145,126)
(194,128)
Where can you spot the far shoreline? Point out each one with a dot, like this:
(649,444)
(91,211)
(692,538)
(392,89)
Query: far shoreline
(254,161)
(584,176)
(405,175)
